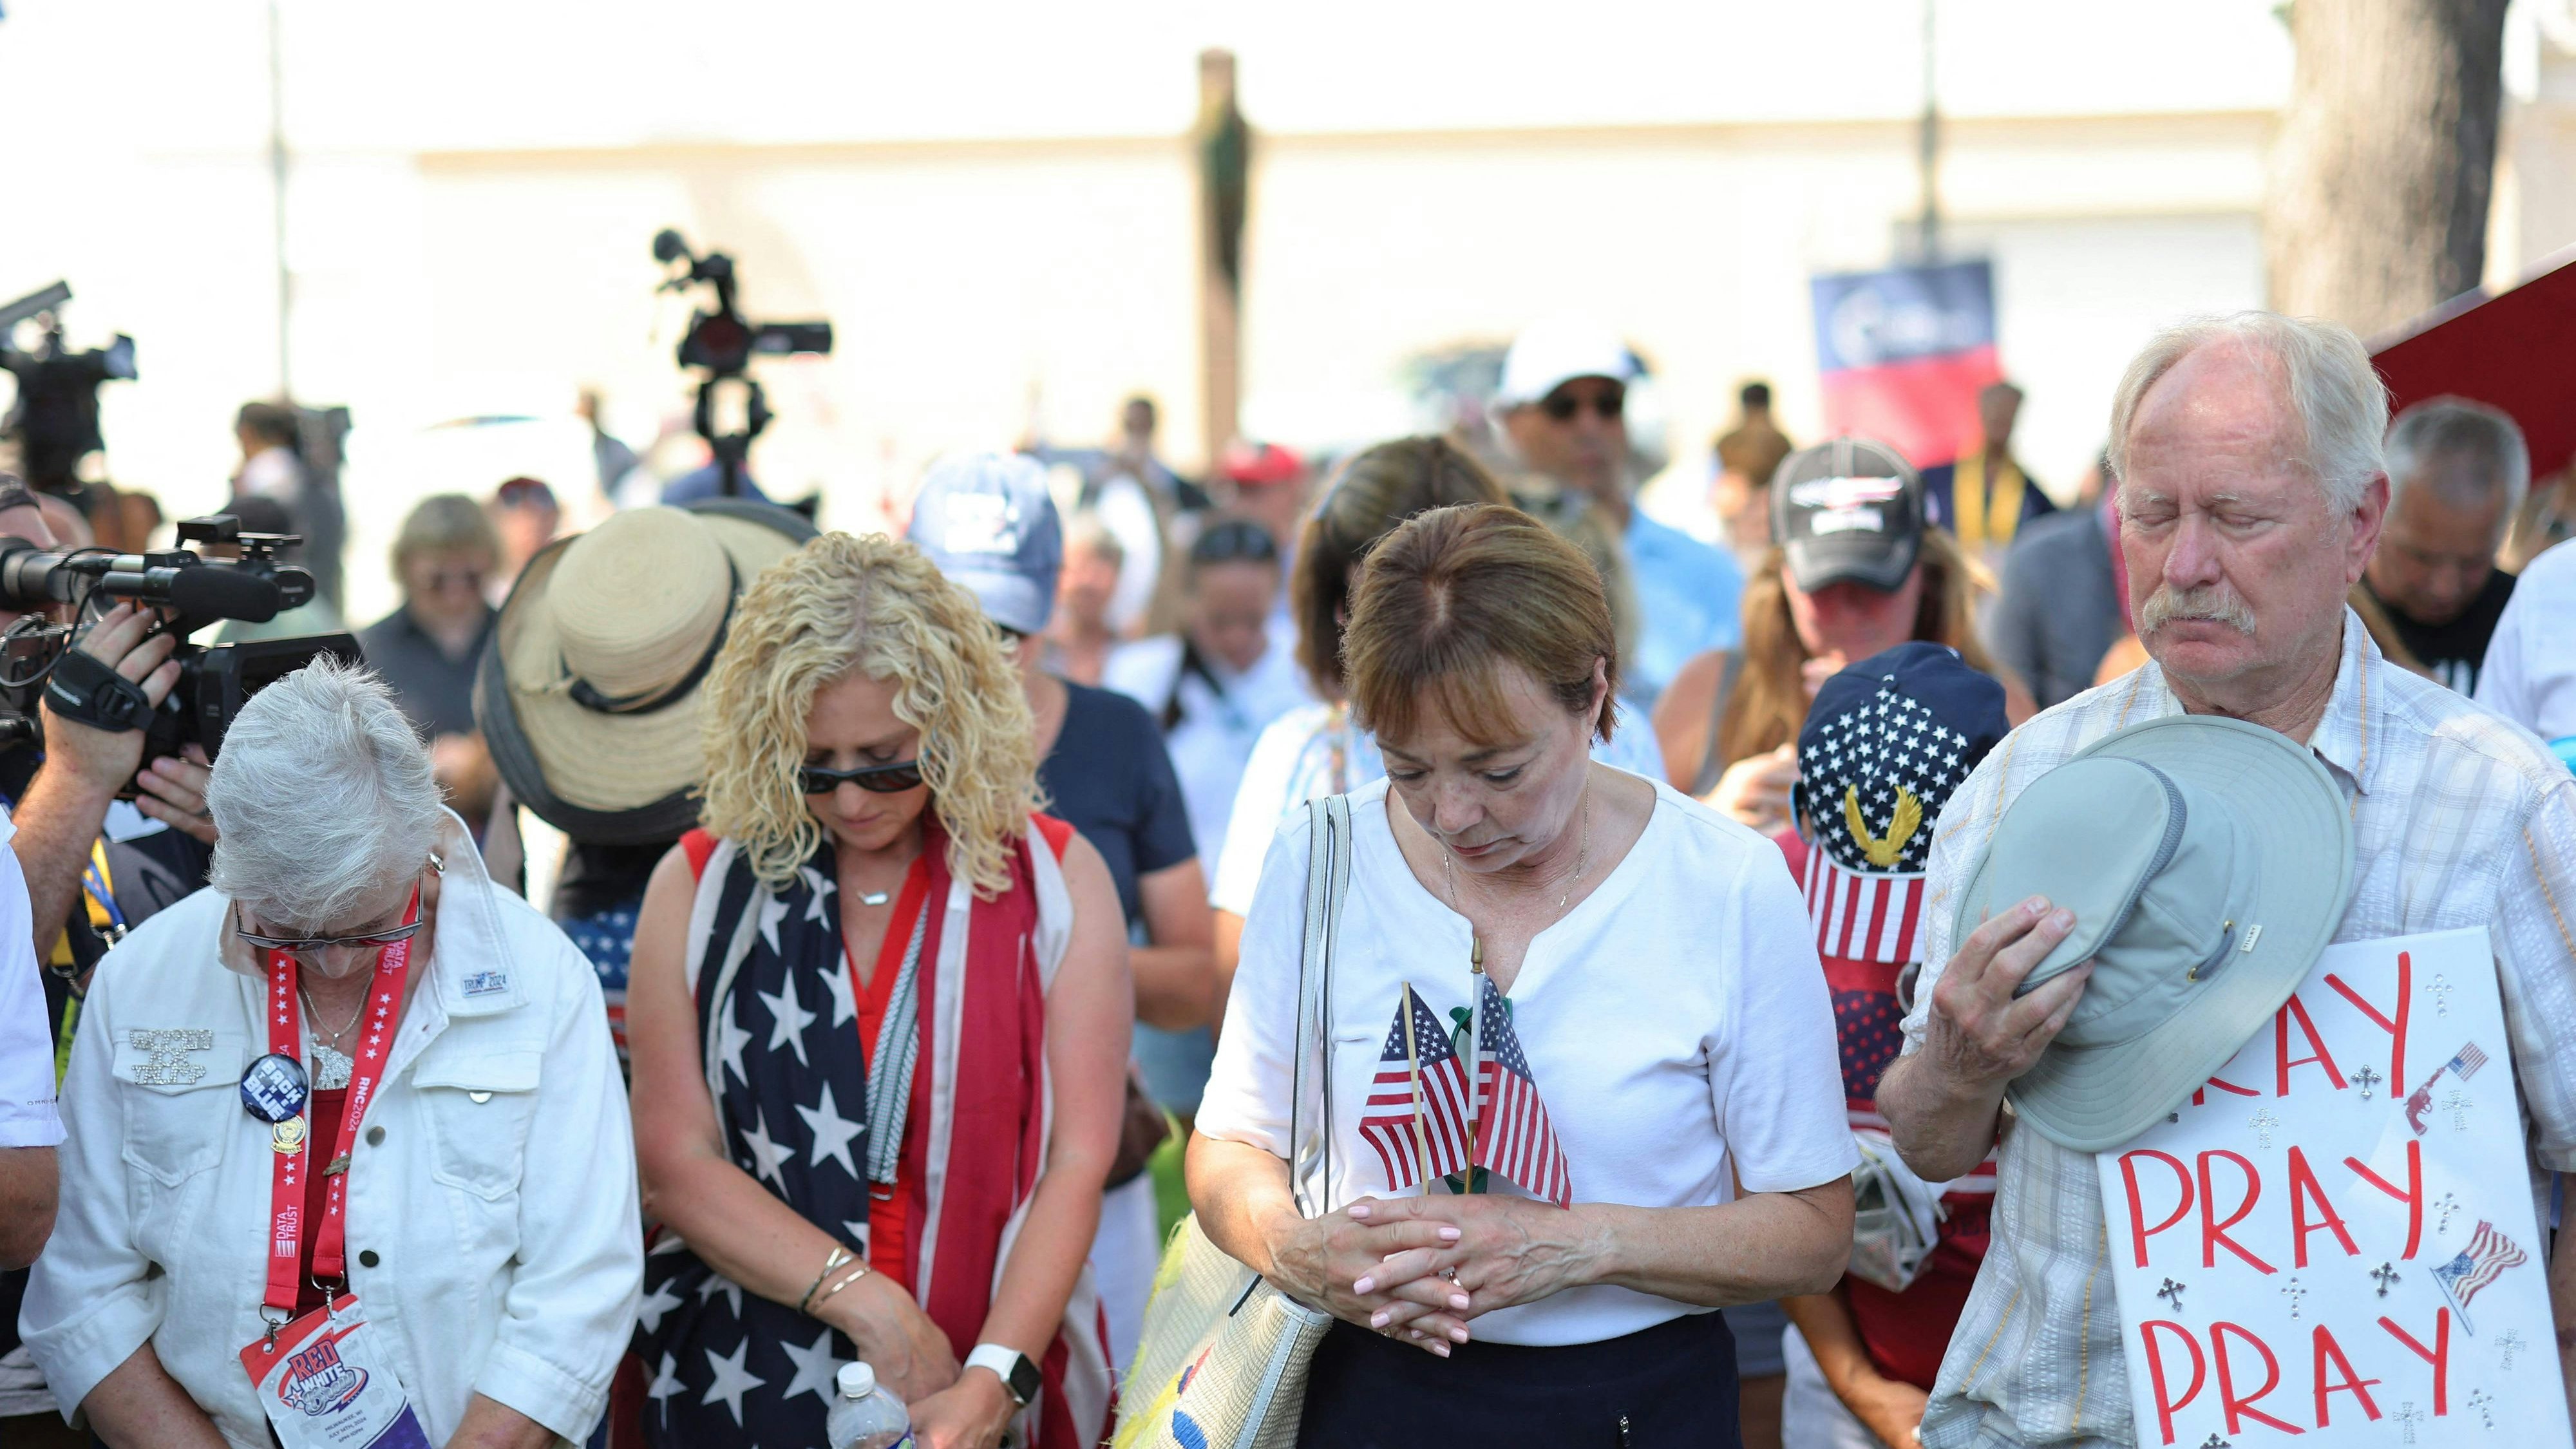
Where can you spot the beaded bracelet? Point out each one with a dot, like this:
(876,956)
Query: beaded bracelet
(839,1256)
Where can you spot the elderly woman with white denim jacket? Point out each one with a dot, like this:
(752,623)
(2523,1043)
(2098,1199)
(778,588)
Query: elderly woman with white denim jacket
(490,1243)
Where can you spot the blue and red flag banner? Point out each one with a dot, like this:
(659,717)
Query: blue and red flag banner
(1903,352)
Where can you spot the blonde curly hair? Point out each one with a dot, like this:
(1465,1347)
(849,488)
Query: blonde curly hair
(844,602)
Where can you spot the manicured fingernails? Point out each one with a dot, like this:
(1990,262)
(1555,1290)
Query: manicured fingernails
(1439,1348)
(1364,1285)
(1379,1318)
(1458,1301)
(1448,1235)
(1459,1334)
(1359,1212)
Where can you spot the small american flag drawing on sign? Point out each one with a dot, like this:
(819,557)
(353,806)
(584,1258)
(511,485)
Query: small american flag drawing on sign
(2483,1261)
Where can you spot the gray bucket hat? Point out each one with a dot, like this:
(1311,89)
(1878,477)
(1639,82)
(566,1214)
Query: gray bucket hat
(2207,862)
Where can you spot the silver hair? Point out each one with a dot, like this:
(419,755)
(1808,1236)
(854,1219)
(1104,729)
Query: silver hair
(2341,404)
(323,797)
(2466,451)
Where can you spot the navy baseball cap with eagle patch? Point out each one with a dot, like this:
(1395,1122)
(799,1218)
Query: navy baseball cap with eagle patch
(1885,744)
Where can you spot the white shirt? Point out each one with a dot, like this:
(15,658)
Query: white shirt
(1316,751)
(1213,740)
(2529,675)
(272,473)
(1675,1021)
(2458,819)
(27,1114)
(494,1241)
(1128,514)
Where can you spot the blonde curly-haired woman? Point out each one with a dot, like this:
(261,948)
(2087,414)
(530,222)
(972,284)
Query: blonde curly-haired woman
(879,1014)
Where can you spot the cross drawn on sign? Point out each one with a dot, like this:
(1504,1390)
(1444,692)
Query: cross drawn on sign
(2484,1403)
(2386,1274)
(2510,1343)
(2407,1417)
(2171,1293)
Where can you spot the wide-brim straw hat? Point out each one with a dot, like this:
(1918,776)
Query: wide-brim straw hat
(589,692)
(2208,862)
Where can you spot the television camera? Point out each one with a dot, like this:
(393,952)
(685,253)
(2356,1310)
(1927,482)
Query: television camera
(55,421)
(722,343)
(191,591)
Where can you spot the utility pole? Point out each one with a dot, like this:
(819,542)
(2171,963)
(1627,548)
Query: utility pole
(1928,231)
(277,198)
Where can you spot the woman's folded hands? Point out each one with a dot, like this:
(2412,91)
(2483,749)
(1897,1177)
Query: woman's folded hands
(1417,1269)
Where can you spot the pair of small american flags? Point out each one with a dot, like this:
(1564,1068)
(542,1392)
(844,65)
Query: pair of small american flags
(1418,1115)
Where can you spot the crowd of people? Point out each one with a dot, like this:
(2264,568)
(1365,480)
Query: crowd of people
(699,952)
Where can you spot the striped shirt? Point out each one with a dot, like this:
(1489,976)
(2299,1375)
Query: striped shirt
(2460,818)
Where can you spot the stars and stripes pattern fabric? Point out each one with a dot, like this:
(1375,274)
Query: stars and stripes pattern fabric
(2483,1261)
(1514,1138)
(1417,1114)
(1861,916)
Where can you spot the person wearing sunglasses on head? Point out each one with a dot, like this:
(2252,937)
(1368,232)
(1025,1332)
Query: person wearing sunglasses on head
(343,1129)
(1563,406)
(878,1015)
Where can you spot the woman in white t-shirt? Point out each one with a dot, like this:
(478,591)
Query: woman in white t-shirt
(1318,749)
(1660,1130)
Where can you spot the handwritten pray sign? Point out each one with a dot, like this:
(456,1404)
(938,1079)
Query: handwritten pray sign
(2334,1240)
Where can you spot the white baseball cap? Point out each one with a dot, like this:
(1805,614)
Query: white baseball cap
(1551,353)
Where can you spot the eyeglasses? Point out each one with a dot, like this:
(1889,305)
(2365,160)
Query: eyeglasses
(1607,406)
(307,948)
(891,779)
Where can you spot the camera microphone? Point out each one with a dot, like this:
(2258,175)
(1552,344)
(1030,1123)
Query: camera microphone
(204,593)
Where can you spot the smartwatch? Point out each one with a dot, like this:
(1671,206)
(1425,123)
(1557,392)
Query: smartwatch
(1012,1366)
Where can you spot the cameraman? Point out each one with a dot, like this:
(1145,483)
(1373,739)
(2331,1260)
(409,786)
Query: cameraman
(94,866)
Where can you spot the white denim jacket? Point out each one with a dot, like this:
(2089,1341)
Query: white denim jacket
(493,1236)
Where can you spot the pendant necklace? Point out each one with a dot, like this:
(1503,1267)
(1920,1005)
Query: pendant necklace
(332,1068)
(1476,969)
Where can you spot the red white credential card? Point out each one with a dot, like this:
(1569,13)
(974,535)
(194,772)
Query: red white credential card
(324,1386)
(2334,1241)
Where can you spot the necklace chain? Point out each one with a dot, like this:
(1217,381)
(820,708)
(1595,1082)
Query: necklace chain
(1582,863)
(314,1013)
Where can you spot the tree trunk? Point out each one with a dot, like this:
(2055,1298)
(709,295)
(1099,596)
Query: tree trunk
(2378,206)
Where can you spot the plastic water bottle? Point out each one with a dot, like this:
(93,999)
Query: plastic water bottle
(865,1416)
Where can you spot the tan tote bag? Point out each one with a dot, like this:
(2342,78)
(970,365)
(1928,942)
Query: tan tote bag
(1222,1363)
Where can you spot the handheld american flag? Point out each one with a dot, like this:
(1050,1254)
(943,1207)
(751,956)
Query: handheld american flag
(1417,1103)
(2463,1066)
(1513,1135)
(2483,1261)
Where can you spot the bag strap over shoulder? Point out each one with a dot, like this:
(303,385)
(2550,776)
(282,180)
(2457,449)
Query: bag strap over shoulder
(1310,1110)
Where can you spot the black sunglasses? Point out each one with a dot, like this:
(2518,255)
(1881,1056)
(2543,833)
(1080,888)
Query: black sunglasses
(891,779)
(1562,406)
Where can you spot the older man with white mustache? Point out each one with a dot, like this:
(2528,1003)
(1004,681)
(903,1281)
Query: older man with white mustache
(2252,490)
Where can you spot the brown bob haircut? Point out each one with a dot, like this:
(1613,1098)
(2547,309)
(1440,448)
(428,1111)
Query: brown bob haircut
(1453,595)
(1377,489)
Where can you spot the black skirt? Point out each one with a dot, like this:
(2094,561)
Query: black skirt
(1663,1387)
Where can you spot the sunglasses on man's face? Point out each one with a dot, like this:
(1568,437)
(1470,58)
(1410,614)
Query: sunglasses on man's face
(891,779)
(1563,406)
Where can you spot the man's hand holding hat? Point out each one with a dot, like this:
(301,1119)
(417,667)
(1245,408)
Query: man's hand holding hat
(1982,1034)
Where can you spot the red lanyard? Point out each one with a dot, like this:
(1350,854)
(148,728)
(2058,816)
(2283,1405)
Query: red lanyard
(286,1194)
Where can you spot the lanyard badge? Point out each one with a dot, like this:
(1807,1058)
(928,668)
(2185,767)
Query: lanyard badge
(319,1377)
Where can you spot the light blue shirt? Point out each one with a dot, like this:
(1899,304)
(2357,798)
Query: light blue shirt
(1688,601)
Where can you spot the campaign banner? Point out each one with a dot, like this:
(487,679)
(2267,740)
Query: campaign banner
(2334,1240)
(1903,353)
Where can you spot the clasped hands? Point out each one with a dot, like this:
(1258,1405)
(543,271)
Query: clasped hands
(1418,1269)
